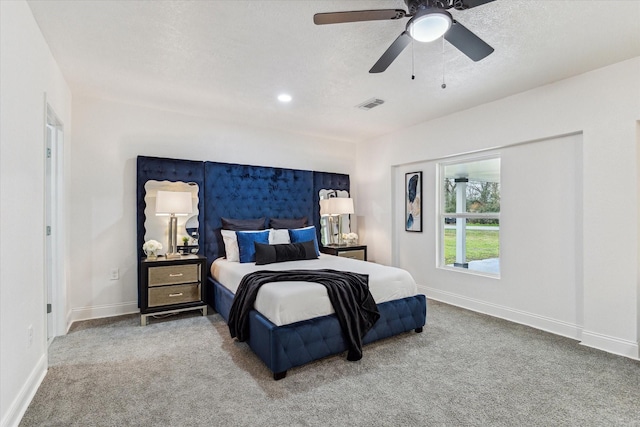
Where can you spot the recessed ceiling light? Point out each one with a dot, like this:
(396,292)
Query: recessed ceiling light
(284,97)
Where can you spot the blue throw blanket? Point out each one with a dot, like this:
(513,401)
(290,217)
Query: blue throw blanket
(348,292)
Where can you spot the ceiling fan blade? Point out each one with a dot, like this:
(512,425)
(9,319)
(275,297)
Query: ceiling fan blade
(468,4)
(357,15)
(391,53)
(467,42)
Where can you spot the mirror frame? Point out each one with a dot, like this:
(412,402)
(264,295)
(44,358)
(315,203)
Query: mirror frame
(156,226)
(324,220)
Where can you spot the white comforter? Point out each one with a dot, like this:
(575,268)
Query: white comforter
(288,302)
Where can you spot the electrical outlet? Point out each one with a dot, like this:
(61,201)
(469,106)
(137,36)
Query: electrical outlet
(114,274)
(29,335)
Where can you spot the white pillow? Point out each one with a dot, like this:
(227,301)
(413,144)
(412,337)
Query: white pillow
(231,245)
(278,236)
(231,241)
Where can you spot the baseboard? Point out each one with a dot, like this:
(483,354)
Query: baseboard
(602,342)
(543,323)
(21,403)
(100,311)
(609,344)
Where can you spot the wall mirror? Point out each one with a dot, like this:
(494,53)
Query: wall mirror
(330,223)
(156,227)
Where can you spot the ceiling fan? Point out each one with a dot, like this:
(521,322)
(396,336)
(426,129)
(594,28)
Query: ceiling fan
(429,21)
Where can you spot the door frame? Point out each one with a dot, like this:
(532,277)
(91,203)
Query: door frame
(55,283)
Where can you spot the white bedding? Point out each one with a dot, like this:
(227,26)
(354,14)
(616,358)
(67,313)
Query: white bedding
(288,302)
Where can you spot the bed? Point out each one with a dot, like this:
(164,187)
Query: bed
(294,323)
(282,340)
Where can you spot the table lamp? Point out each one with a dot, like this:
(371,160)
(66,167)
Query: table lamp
(173,204)
(336,206)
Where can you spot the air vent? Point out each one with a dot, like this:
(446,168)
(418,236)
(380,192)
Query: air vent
(370,103)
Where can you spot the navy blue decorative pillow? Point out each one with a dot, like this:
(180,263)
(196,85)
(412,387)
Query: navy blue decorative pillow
(304,235)
(243,224)
(279,223)
(268,254)
(246,242)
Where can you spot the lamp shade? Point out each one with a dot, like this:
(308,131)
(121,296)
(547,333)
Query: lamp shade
(173,202)
(429,25)
(342,205)
(336,206)
(324,207)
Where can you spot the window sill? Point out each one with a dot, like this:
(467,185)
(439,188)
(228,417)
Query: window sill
(472,272)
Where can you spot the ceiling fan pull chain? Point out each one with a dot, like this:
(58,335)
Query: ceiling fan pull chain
(444,85)
(413,58)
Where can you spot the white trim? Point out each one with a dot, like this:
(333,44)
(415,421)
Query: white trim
(602,342)
(58,243)
(461,211)
(470,271)
(395,236)
(471,215)
(19,406)
(486,150)
(543,323)
(100,311)
(610,344)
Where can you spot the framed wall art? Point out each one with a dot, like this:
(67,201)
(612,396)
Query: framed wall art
(413,201)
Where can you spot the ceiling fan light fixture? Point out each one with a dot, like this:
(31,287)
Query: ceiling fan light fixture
(429,25)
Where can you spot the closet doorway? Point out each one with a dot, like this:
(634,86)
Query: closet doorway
(54,226)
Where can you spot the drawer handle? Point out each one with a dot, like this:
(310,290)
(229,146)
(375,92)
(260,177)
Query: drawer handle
(176,295)
(175,274)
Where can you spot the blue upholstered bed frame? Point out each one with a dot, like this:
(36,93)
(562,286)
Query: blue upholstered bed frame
(243,191)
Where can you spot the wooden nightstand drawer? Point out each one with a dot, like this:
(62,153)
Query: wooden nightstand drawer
(171,286)
(174,274)
(168,295)
(355,254)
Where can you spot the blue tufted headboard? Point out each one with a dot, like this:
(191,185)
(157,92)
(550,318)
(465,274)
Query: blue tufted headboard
(239,191)
(245,192)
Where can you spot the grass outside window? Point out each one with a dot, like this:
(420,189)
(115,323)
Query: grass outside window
(481,244)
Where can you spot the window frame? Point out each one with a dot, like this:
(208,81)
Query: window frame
(441,215)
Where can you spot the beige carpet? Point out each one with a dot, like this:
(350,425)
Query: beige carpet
(466,369)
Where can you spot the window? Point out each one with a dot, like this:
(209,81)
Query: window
(470,215)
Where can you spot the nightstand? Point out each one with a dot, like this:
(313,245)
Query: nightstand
(347,251)
(171,286)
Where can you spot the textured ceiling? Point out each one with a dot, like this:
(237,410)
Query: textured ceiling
(230,59)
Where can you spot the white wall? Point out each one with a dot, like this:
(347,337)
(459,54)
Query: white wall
(600,108)
(108,136)
(540,229)
(27,71)
(598,301)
